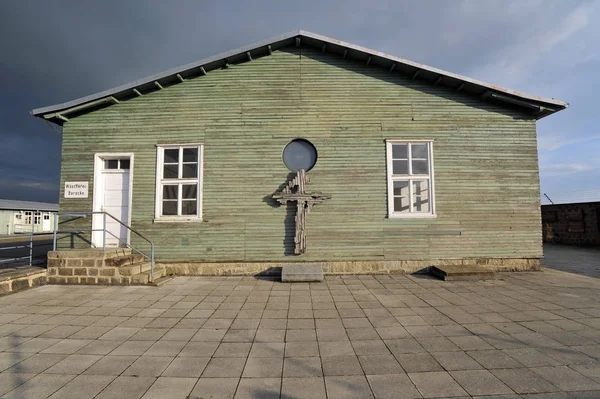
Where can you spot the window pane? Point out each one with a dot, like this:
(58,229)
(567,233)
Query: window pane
(421,187)
(401,188)
(400,204)
(124,163)
(111,164)
(399,151)
(419,167)
(190,155)
(170,192)
(190,191)
(171,171)
(421,204)
(400,167)
(169,208)
(172,155)
(419,151)
(421,195)
(190,170)
(188,207)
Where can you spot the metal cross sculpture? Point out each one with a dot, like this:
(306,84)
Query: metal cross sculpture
(295,191)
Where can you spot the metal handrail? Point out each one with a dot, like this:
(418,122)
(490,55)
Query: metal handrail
(104,231)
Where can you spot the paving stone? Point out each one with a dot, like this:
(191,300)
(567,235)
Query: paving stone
(404,345)
(170,387)
(370,347)
(83,386)
(393,386)
(111,365)
(468,343)
(335,348)
(436,384)
(263,367)
(341,365)
(252,388)
(359,334)
(267,349)
(346,387)
(269,335)
(215,388)
(73,364)
(300,335)
(199,349)
(40,386)
(494,359)
(524,381)
(233,349)
(301,349)
(567,379)
(303,388)
(530,357)
(480,382)
(380,364)
(11,380)
(149,366)
(189,367)
(126,387)
(302,367)
(332,334)
(165,348)
(209,334)
(225,367)
(35,364)
(418,362)
(437,344)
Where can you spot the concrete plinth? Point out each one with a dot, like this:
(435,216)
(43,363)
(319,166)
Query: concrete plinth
(301,272)
(454,272)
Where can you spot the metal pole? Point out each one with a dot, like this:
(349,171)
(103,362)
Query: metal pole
(55,227)
(31,240)
(151,261)
(103,232)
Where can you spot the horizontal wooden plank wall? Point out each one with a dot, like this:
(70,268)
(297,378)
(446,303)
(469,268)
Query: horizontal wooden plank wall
(486,173)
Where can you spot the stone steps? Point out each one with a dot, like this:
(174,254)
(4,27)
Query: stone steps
(144,277)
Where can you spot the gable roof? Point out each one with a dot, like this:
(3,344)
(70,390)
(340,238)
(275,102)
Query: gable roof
(538,106)
(18,205)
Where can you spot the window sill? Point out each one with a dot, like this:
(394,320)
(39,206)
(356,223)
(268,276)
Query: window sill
(413,216)
(178,219)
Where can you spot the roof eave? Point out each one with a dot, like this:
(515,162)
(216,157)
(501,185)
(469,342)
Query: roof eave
(540,106)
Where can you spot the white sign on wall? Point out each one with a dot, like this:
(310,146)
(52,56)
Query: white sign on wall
(76,189)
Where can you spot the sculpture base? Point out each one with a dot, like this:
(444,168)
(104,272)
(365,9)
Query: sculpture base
(301,273)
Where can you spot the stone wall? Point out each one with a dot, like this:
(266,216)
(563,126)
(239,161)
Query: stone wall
(573,224)
(349,267)
(22,279)
(93,266)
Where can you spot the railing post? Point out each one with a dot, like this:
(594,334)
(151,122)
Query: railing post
(103,232)
(31,241)
(151,261)
(55,228)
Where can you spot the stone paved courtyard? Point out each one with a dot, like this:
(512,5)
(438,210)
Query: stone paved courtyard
(572,259)
(531,335)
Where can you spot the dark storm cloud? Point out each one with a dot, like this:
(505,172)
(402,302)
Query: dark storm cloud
(54,51)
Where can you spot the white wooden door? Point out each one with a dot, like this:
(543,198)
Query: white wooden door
(46,222)
(114,199)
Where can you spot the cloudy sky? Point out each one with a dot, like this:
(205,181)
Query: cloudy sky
(56,50)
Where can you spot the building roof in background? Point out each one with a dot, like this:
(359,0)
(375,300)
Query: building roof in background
(28,205)
(537,106)
(572,197)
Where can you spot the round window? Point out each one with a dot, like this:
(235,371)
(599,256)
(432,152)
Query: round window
(299,154)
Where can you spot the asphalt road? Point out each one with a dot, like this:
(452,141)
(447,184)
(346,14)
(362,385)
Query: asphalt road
(40,251)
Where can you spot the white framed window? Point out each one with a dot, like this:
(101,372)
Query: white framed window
(37,218)
(179,182)
(28,217)
(410,178)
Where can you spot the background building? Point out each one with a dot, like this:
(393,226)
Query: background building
(22,216)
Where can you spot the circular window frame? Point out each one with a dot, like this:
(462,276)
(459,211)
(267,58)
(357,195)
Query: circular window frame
(306,141)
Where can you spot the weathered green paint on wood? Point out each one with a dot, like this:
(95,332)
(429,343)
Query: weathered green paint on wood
(485,160)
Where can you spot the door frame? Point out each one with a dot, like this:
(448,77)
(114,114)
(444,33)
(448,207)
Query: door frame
(98,190)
